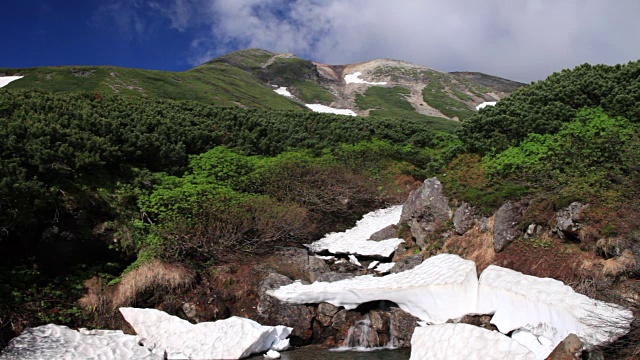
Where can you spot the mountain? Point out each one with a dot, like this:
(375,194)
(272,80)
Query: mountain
(247,78)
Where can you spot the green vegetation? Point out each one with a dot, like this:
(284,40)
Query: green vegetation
(215,83)
(311,93)
(392,102)
(436,96)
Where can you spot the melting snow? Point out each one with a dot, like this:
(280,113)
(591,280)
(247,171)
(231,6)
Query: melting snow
(485,104)
(384,268)
(232,338)
(283,91)
(4,80)
(547,309)
(59,342)
(463,341)
(443,287)
(355,79)
(356,240)
(326,109)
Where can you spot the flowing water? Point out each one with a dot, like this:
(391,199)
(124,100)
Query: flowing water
(318,353)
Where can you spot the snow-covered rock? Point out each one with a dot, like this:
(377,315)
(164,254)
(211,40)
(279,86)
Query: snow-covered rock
(548,310)
(443,287)
(4,80)
(319,108)
(485,104)
(385,267)
(232,338)
(356,240)
(463,341)
(271,354)
(283,91)
(355,79)
(59,342)
(373,264)
(354,260)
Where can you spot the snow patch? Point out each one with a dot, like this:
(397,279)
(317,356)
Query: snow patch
(283,91)
(373,264)
(384,268)
(548,310)
(443,287)
(4,80)
(356,241)
(463,341)
(59,342)
(355,79)
(232,338)
(485,104)
(329,110)
(354,260)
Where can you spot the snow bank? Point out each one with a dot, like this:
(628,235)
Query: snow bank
(326,109)
(547,309)
(443,287)
(356,240)
(355,79)
(59,342)
(232,338)
(384,268)
(283,91)
(462,341)
(485,104)
(4,80)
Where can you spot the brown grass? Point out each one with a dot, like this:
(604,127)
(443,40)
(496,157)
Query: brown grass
(153,275)
(619,265)
(474,245)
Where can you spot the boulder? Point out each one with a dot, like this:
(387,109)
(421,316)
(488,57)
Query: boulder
(271,311)
(296,263)
(407,263)
(569,349)
(505,228)
(426,210)
(401,327)
(389,232)
(232,338)
(568,221)
(463,219)
(334,276)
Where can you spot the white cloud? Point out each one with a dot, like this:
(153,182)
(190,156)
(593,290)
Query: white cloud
(518,39)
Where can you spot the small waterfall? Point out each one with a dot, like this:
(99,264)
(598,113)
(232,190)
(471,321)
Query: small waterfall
(361,335)
(392,336)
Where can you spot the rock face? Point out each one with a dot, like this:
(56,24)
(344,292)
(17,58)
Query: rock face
(60,342)
(505,228)
(272,311)
(463,219)
(545,311)
(446,286)
(425,210)
(462,341)
(232,338)
(568,221)
(569,349)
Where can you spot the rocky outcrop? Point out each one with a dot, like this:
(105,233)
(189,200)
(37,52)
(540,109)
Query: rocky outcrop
(463,219)
(388,232)
(569,349)
(505,228)
(426,210)
(272,311)
(568,221)
(407,263)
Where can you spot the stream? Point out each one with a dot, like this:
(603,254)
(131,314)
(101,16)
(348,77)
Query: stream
(318,353)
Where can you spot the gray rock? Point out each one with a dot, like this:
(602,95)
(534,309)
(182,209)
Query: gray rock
(401,327)
(334,276)
(389,232)
(568,221)
(296,263)
(425,210)
(463,219)
(505,228)
(272,311)
(407,263)
(326,312)
(569,349)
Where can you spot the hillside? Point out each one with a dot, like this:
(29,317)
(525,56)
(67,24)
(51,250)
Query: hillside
(247,78)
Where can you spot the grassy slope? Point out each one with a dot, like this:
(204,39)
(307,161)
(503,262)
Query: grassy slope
(213,83)
(392,102)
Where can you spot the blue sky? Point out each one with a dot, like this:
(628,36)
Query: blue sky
(522,40)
